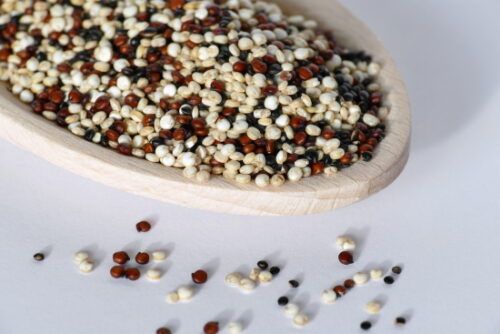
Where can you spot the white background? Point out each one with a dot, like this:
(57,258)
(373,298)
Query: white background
(441,218)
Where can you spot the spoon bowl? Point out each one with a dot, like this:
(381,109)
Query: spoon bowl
(311,195)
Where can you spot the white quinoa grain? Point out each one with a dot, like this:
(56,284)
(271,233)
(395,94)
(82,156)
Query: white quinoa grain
(345,243)
(277,180)
(170,90)
(337,154)
(301,53)
(265,276)
(370,120)
(259,38)
(79,257)
(86,266)
(245,43)
(26,96)
(120,64)
(273,133)
(173,50)
(373,307)
(254,274)
(123,83)
(361,278)
(190,172)
(243,178)
(376,274)
(234,327)
(295,174)
(203,176)
(246,284)
(271,103)
(233,279)
(223,125)
(262,180)
(172,297)
(291,310)
(373,69)
(282,121)
(104,53)
(167,122)
(159,256)
(300,319)
(185,293)
(328,296)
(153,274)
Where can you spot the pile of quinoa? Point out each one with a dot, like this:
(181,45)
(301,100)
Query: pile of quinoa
(232,88)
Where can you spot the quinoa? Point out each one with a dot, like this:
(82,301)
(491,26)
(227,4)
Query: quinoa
(232,88)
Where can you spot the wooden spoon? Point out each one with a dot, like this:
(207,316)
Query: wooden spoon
(310,195)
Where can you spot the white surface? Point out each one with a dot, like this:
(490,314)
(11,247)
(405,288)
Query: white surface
(440,218)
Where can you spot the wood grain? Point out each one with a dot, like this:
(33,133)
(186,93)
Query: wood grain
(316,194)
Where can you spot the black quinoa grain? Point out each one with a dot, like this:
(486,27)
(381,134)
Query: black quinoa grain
(274,270)
(389,280)
(262,264)
(283,300)
(365,325)
(397,270)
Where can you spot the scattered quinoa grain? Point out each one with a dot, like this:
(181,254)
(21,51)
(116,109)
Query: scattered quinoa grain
(283,300)
(274,270)
(79,257)
(163,330)
(376,274)
(199,276)
(293,283)
(300,319)
(339,290)
(373,307)
(345,257)
(291,310)
(142,258)
(234,327)
(388,280)
(345,243)
(185,293)
(262,265)
(153,274)
(254,274)
(39,257)
(360,278)
(211,327)
(143,226)
(117,271)
(132,274)
(400,321)
(86,266)
(328,296)
(121,257)
(349,284)
(172,297)
(247,284)
(397,270)
(265,276)
(233,279)
(366,325)
(159,256)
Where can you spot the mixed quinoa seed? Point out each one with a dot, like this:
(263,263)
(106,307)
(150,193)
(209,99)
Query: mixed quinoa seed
(262,274)
(232,88)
